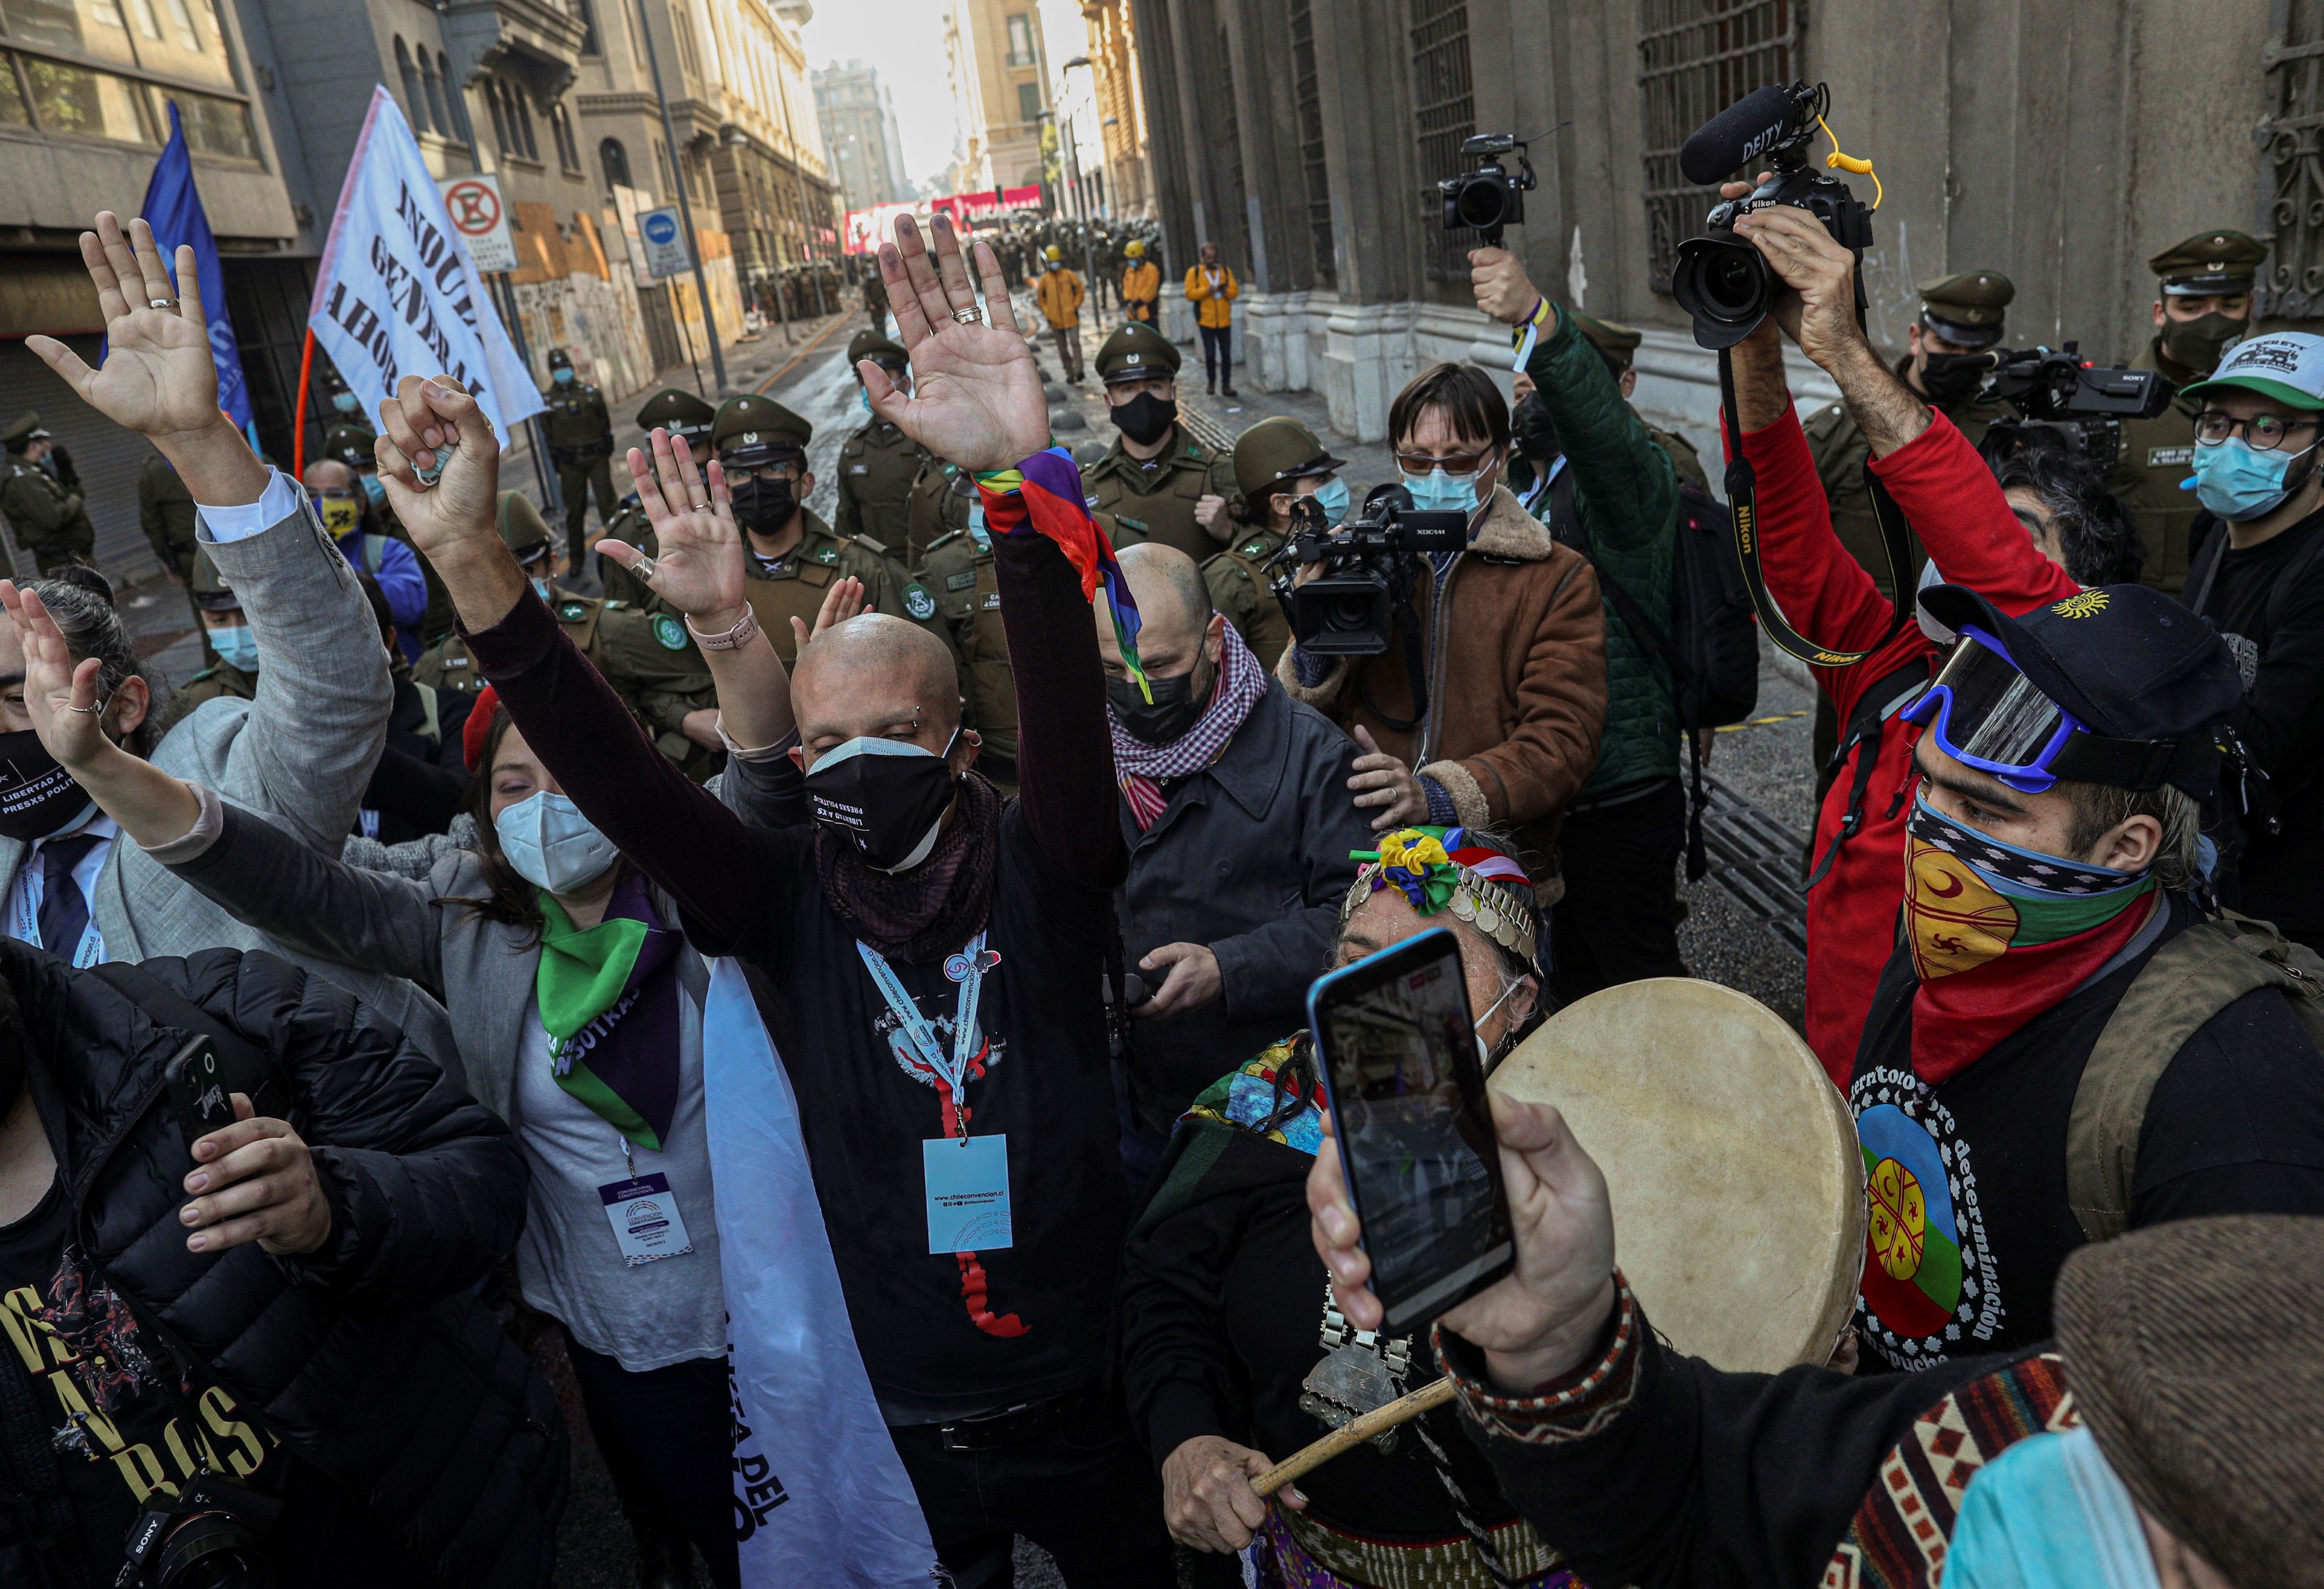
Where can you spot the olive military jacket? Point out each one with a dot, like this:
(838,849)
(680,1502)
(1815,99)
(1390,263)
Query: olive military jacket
(958,576)
(878,466)
(1241,589)
(631,528)
(42,513)
(579,428)
(1842,453)
(943,502)
(2156,454)
(165,512)
(1154,500)
(795,587)
(218,681)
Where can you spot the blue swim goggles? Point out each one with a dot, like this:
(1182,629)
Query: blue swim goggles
(1987,715)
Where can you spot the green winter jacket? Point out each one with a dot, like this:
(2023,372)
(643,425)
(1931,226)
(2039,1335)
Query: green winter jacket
(1627,495)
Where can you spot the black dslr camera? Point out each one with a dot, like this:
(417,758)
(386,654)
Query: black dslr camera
(2065,403)
(1489,197)
(1370,564)
(206,1538)
(1720,280)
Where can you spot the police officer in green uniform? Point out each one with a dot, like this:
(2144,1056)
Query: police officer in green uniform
(581,445)
(50,520)
(232,672)
(2206,304)
(1960,316)
(647,657)
(165,512)
(682,414)
(789,555)
(943,499)
(958,575)
(879,463)
(1155,475)
(1277,462)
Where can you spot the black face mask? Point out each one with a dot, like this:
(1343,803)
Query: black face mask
(886,798)
(1536,432)
(1178,705)
(762,507)
(1146,419)
(37,797)
(2196,343)
(1948,377)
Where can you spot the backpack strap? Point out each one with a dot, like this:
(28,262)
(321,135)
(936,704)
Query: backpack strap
(2190,979)
(249,1068)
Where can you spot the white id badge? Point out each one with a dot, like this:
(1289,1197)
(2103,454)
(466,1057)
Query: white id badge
(968,1193)
(646,1223)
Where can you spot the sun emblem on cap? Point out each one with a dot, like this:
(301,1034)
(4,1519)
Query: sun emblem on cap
(2082,605)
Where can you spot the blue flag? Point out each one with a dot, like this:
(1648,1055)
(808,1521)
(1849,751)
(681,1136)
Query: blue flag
(174,210)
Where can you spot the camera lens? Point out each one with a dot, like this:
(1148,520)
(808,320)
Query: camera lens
(1483,203)
(1723,285)
(213,1550)
(1348,614)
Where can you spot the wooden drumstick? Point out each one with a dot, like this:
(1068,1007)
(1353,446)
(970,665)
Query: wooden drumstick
(1356,1430)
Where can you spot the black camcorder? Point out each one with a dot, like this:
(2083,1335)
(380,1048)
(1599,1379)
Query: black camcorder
(1720,280)
(1370,564)
(2065,403)
(1492,197)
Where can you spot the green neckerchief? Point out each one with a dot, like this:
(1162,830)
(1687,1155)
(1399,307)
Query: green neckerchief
(583,972)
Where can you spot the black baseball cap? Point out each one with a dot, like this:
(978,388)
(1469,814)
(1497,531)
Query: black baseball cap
(2150,681)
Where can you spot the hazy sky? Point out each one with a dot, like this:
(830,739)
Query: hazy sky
(904,39)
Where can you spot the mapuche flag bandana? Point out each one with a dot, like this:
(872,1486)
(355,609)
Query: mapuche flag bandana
(608,997)
(1999,934)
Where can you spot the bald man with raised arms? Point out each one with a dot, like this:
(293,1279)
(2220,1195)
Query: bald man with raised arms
(888,890)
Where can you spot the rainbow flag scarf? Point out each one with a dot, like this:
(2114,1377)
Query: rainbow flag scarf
(1043,496)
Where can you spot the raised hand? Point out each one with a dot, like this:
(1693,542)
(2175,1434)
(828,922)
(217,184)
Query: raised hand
(60,696)
(699,566)
(843,601)
(158,378)
(976,393)
(461,509)
(1503,289)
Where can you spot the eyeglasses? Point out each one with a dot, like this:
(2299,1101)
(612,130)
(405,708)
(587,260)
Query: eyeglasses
(2262,432)
(1458,465)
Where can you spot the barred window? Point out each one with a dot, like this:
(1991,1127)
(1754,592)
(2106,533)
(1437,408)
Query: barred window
(1308,98)
(1232,143)
(2291,166)
(1445,118)
(1695,59)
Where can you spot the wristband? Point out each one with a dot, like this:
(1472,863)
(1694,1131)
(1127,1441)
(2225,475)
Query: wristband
(727,639)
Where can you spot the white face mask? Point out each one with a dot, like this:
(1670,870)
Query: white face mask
(552,844)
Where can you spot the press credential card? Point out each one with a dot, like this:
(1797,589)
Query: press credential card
(645,1218)
(968,1193)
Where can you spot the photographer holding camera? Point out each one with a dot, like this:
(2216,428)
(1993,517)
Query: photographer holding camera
(1472,670)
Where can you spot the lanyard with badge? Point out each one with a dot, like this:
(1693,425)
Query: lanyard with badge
(644,1211)
(24,922)
(967,1176)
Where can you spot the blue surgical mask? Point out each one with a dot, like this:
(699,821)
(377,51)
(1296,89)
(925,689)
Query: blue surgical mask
(2237,483)
(2049,1511)
(345,402)
(552,844)
(1332,496)
(563,378)
(541,588)
(1438,492)
(236,646)
(864,396)
(372,488)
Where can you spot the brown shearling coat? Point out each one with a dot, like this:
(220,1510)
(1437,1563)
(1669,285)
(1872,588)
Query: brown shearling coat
(1517,686)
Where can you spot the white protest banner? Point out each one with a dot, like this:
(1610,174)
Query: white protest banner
(398,294)
(475,205)
(821,1498)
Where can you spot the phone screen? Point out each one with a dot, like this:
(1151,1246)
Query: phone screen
(1416,1131)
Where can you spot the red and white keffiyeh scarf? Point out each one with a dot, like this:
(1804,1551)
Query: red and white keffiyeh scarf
(1141,769)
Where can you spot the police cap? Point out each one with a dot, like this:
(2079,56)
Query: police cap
(1616,343)
(753,432)
(681,413)
(1138,352)
(2210,265)
(1275,450)
(522,527)
(558,359)
(24,430)
(1966,309)
(350,444)
(884,351)
(208,587)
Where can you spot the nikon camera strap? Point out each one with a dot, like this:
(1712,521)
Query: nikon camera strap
(1743,502)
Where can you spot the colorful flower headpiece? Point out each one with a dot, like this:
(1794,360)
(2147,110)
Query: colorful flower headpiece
(1443,869)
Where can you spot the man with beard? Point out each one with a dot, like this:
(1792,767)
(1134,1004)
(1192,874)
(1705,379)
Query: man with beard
(2206,304)
(1156,476)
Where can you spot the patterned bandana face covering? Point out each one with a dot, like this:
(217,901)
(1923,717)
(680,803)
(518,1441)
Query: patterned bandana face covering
(1440,869)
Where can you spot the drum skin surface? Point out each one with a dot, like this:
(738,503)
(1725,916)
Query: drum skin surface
(1730,1159)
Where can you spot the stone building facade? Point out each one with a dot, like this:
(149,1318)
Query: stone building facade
(858,117)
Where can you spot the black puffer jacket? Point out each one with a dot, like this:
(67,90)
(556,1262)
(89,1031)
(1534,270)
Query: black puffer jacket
(372,1362)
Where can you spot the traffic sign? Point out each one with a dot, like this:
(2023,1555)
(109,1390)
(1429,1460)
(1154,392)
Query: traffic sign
(482,220)
(664,243)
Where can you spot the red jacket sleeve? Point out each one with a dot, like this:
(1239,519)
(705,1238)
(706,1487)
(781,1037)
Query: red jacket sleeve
(1956,507)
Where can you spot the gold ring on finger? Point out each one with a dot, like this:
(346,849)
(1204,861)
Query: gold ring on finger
(968,316)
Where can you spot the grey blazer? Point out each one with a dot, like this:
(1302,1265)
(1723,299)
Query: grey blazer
(482,971)
(299,755)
